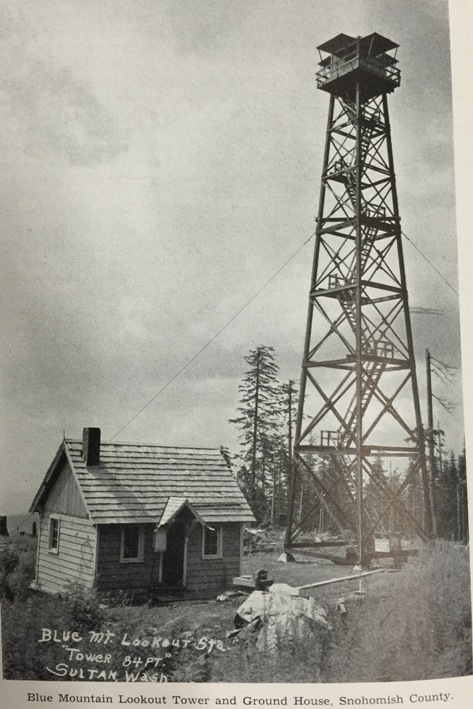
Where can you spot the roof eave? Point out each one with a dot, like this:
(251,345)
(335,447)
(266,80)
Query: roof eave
(336,43)
(382,43)
(171,518)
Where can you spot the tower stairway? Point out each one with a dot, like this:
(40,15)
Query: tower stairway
(372,373)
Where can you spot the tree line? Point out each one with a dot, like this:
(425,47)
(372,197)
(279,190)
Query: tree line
(265,419)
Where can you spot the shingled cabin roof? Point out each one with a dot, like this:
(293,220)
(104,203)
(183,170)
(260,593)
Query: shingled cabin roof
(134,483)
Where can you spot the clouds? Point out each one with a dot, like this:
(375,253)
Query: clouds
(59,116)
(50,111)
(161,162)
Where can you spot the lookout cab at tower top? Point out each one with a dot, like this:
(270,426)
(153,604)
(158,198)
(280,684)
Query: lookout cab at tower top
(368,62)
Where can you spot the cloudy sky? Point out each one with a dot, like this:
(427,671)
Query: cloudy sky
(161,161)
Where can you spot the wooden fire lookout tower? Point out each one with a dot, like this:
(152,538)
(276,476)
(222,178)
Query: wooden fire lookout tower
(359,401)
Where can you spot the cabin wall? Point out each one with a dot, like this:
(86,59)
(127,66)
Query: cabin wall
(208,577)
(75,557)
(132,577)
(204,577)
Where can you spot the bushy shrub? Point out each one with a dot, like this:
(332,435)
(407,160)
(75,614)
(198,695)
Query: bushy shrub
(24,573)
(115,599)
(9,560)
(82,607)
(9,557)
(17,566)
(24,543)
(22,622)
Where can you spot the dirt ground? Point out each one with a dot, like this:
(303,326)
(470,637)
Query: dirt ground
(310,569)
(217,617)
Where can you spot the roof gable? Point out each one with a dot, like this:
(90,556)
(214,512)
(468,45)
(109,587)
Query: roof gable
(174,506)
(60,490)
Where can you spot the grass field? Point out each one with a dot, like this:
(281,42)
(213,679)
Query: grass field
(411,624)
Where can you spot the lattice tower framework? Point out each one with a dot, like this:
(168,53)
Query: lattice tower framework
(359,442)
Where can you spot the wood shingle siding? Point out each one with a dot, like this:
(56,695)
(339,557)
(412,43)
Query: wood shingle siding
(208,577)
(75,557)
(132,577)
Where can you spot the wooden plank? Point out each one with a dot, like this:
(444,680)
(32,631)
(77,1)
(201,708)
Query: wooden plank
(66,542)
(206,569)
(51,586)
(353,577)
(54,575)
(107,582)
(126,583)
(72,555)
(65,547)
(231,561)
(74,535)
(72,521)
(64,572)
(70,542)
(64,495)
(68,561)
(126,577)
(61,577)
(61,585)
(68,557)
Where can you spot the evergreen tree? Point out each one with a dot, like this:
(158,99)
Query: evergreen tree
(446,499)
(463,532)
(259,426)
(282,452)
(451,496)
(378,500)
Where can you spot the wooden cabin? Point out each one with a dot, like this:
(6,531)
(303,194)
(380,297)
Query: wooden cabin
(148,520)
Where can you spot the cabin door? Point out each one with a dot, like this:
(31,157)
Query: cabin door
(174,556)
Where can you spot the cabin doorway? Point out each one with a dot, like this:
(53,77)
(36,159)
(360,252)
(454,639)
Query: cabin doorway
(172,571)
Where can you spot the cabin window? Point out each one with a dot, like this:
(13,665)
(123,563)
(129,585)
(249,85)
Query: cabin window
(132,543)
(212,542)
(54,534)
